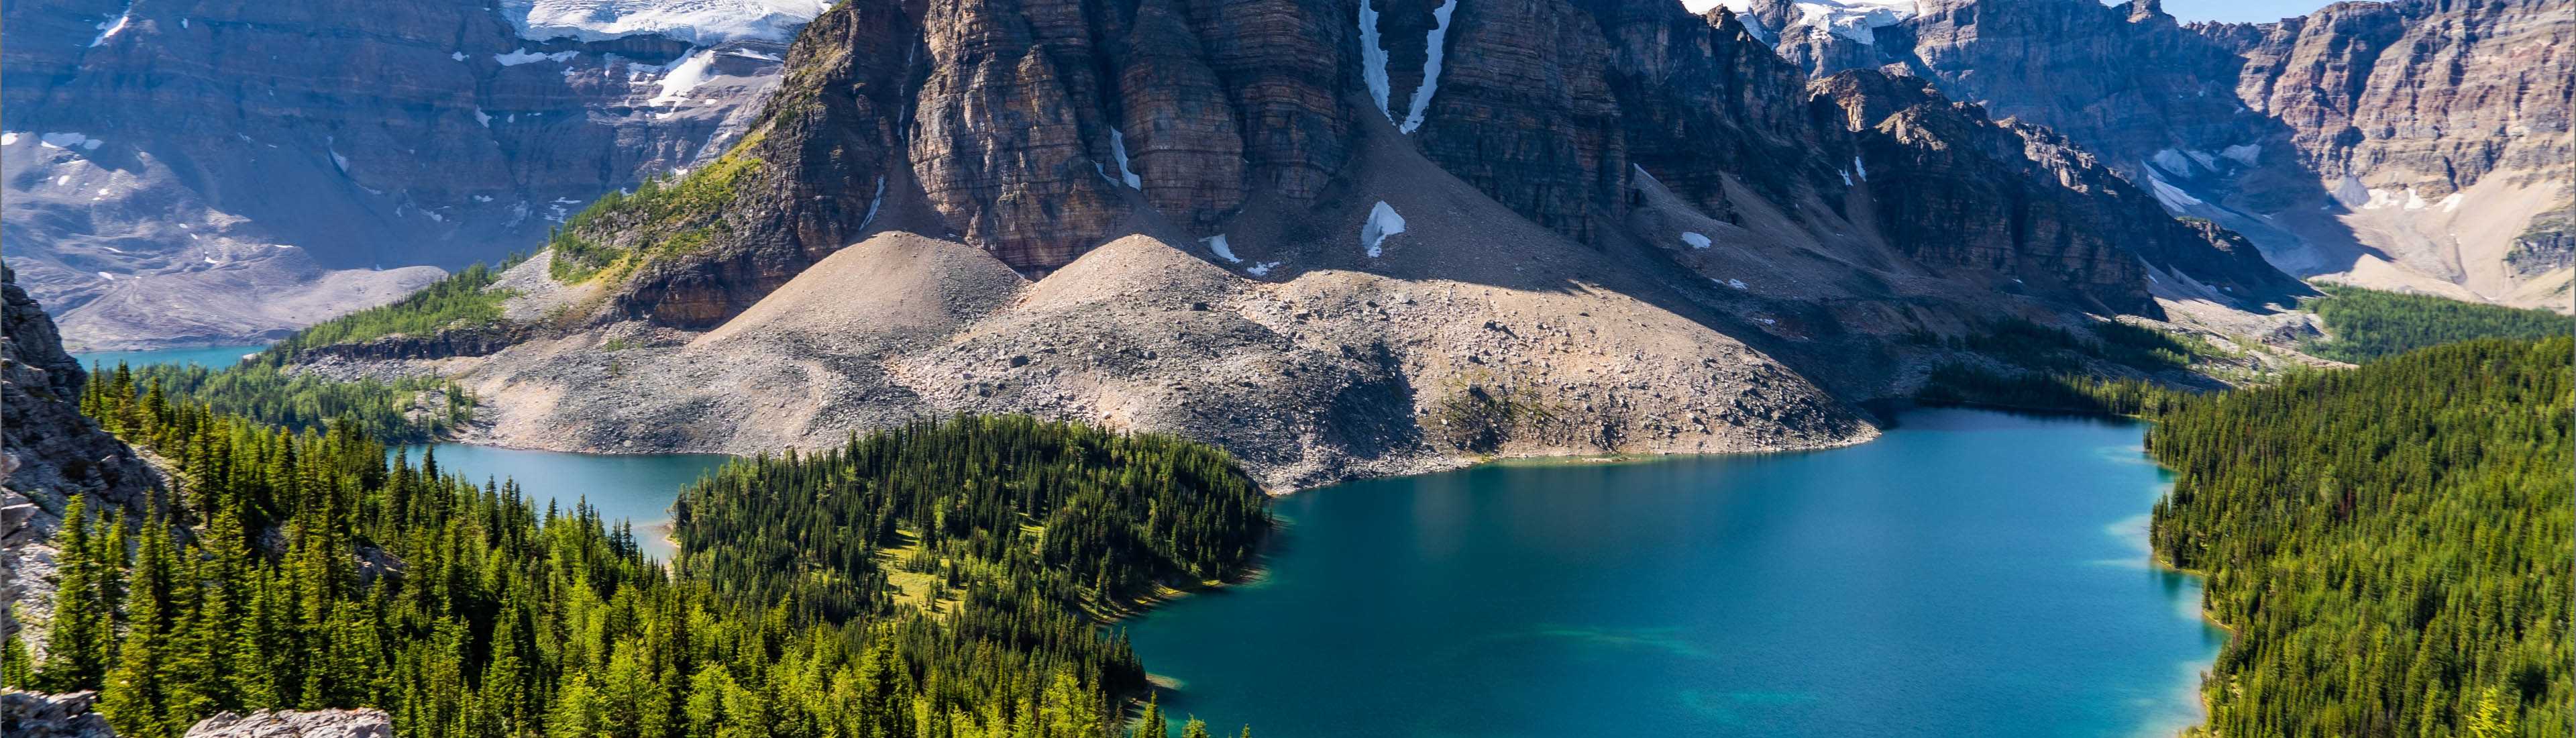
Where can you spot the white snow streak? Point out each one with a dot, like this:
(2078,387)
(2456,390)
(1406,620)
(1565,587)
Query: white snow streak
(1118,148)
(1373,59)
(9,138)
(1430,65)
(1261,268)
(874,202)
(524,56)
(1695,239)
(109,28)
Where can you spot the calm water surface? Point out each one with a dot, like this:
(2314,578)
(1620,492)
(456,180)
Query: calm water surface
(1970,574)
(635,487)
(213,356)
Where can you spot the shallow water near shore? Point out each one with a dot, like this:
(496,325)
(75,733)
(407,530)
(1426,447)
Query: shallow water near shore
(211,357)
(1972,573)
(637,488)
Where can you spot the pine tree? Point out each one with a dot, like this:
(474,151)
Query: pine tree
(1153,725)
(76,657)
(137,694)
(15,672)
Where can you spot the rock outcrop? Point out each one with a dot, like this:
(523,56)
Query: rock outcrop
(360,723)
(49,453)
(54,453)
(40,715)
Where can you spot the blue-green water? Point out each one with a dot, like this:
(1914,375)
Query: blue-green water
(635,487)
(1970,574)
(212,356)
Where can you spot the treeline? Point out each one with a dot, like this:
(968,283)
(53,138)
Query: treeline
(2038,367)
(2390,544)
(263,389)
(1961,384)
(406,410)
(312,570)
(1011,507)
(457,300)
(663,217)
(2369,324)
(2052,350)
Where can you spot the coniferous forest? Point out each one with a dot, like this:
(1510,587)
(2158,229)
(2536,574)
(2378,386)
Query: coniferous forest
(310,569)
(2389,544)
(2370,324)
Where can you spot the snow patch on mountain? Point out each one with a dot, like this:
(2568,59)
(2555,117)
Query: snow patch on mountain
(1857,20)
(1430,66)
(1382,222)
(523,56)
(2174,198)
(1373,60)
(701,22)
(1118,148)
(685,75)
(2246,154)
(108,29)
(1216,245)
(69,141)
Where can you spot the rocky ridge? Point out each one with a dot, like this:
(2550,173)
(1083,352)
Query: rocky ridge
(2416,144)
(328,158)
(1338,240)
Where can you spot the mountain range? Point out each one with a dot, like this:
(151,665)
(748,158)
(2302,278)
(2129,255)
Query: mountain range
(1403,233)
(2419,145)
(323,156)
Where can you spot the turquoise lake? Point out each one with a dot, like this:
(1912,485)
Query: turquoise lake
(637,488)
(1969,574)
(212,356)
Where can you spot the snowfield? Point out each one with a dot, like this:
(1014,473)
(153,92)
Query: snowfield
(700,22)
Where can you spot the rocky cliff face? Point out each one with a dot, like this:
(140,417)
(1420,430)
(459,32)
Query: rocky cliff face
(318,145)
(54,453)
(1339,238)
(49,453)
(2405,144)
(1036,131)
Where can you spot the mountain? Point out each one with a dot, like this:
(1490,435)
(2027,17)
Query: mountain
(203,172)
(49,453)
(2413,144)
(1337,239)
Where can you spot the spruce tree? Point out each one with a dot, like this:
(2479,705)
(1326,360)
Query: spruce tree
(76,656)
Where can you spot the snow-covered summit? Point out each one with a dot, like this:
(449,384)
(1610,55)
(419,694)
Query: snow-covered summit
(1852,19)
(700,22)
